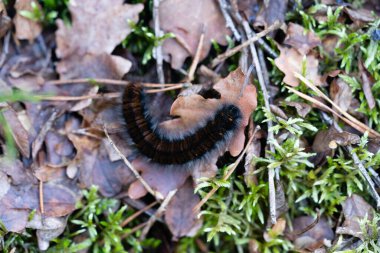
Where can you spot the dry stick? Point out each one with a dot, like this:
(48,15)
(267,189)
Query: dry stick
(134,171)
(76,98)
(176,87)
(158,33)
(105,81)
(309,84)
(246,43)
(159,212)
(231,169)
(362,170)
(197,56)
(325,107)
(271,171)
(41,194)
(229,23)
(133,230)
(138,213)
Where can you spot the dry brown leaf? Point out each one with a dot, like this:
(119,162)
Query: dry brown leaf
(186,19)
(250,8)
(290,61)
(162,180)
(367,83)
(270,12)
(341,94)
(179,215)
(14,220)
(302,108)
(5,21)
(19,133)
(26,29)
(355,208)
(80,45)
(300,39)
(58,199)
(97,27)
(360,15)
(313,238)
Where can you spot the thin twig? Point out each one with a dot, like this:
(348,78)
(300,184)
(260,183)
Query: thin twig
(138,213)
(229,23)
(133,230)
(105,81)
(176,87)
(5,50)
(158,48)
(41,194)
(246,43)
(197,56)
(76,98)
(325,107)
(362,170)
(231,169)
(156,194)
(263,86)
(158,214)
(340,110)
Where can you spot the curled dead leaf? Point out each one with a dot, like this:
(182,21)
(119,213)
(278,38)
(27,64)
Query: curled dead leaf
(290,62)
(299,39)
(195,16)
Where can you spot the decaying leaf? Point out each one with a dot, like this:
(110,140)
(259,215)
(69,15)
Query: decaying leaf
(26,28)
(19,133)
(179,215)
(341,94)
(309,234)
(270,12)
(187,19)
(300,39)
(88,38)
(302,108)
(367,83)
(290,61)
(355,208)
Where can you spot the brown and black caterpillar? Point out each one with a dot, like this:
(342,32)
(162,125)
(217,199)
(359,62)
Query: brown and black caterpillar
(165,147)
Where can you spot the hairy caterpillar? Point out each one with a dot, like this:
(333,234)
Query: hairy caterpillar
(165,147)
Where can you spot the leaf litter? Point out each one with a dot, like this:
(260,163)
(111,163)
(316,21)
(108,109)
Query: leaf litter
(61,148)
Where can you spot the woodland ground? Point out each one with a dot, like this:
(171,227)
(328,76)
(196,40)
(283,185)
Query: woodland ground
(301,171)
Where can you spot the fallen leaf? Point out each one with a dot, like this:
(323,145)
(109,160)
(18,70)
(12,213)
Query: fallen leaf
(343,139)
(355,208)
(290,61)
(367,83)
(314,237)
(250,8)
(302,108)
(58,199)
(162,180)
(90,35)
(360,15)
(26,28)
(195,16)
(5,21)
(270,12)
(300,39)
(16,171)
(14,220)
(5,184)
(276,230)
(48,228)
(179,215)
(341,94)
(86,46)
(19,133)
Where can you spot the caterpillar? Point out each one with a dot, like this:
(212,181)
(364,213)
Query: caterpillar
(165,147)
